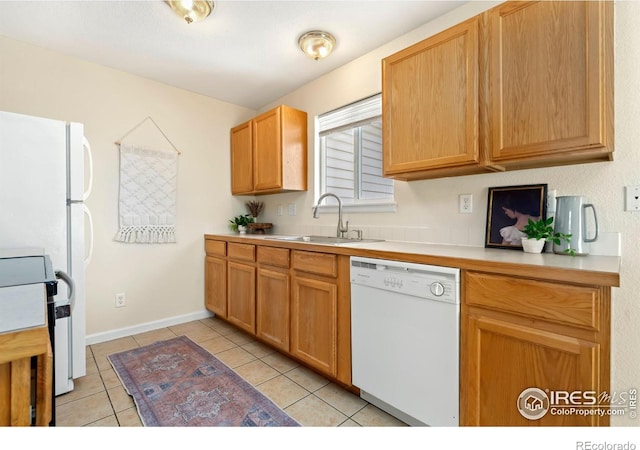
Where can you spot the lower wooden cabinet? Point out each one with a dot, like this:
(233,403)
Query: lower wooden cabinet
(522,336)
(273,298)
(295,301)
(241,288)
(314,310)
(321,312)
(215,277)
(273,307)
(510,358)
(216,285)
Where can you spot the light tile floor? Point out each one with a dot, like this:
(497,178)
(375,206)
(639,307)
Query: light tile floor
(100,400)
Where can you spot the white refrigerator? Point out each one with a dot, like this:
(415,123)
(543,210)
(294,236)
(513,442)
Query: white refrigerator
(42,193)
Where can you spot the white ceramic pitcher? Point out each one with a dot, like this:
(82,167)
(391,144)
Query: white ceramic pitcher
(570,218)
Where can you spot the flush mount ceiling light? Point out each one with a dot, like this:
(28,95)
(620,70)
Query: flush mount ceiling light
(191,10)
(317,44)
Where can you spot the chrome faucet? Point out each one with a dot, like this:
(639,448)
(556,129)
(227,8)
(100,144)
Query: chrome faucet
(341,229)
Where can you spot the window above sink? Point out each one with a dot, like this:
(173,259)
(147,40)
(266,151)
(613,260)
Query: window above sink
(350,158)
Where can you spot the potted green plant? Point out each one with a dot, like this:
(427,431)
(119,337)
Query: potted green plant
(541,231)
(239,223)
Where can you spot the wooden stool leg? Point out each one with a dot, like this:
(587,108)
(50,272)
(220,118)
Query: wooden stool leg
(5,393)
(43,388)
(21,392)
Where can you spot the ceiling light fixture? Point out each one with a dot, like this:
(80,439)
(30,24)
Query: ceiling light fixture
(317,44)
(192,10)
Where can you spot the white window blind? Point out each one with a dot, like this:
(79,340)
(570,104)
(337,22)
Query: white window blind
(351,115)
(351,153)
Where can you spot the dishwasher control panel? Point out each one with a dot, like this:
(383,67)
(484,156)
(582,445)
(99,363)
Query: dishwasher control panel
(418,280)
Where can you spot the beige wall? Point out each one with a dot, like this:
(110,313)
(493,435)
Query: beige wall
(165,281)
(160,281)
(427,210)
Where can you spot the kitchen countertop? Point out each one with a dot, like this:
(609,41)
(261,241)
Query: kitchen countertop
(595,269)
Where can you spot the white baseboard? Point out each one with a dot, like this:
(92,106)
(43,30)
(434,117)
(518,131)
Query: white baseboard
(147,326)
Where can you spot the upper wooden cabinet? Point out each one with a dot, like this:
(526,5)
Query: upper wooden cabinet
(241,159)
(269,153)
(430,106)
(551,83)
(525,84)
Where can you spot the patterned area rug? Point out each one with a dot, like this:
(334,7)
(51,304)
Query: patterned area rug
(178,383)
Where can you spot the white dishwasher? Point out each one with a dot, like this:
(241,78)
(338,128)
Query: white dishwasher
(405,339)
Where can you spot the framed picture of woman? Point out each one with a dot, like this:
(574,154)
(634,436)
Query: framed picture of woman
(509,209)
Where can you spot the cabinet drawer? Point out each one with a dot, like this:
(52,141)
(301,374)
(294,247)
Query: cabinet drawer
(318,263)
(553,302)
(215,247)
(278,257)
(241,252)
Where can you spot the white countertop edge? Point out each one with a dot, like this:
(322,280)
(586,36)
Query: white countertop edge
(596,263)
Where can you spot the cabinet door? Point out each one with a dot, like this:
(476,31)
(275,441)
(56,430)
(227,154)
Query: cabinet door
(550,79)
(241,159)
(267,150)
(241,299)
(272,306)
(430,103)
(215,277)
(501,359)
(314,323)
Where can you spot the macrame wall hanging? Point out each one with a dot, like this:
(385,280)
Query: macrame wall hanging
(147,195)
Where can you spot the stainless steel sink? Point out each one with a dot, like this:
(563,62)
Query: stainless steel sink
(329,240)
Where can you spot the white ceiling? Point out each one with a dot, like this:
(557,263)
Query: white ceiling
(245,53)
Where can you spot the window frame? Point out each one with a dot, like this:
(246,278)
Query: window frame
(360,204)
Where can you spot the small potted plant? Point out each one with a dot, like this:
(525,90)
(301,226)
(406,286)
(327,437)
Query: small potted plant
(540,232)
(239,223)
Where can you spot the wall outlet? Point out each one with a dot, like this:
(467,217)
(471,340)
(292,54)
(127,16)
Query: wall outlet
(632,202)
(280,210)
(292,209)
(465,203)
(121,300)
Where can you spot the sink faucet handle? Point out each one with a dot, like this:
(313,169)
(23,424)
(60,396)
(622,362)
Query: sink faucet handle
(358,233)
(344,231)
